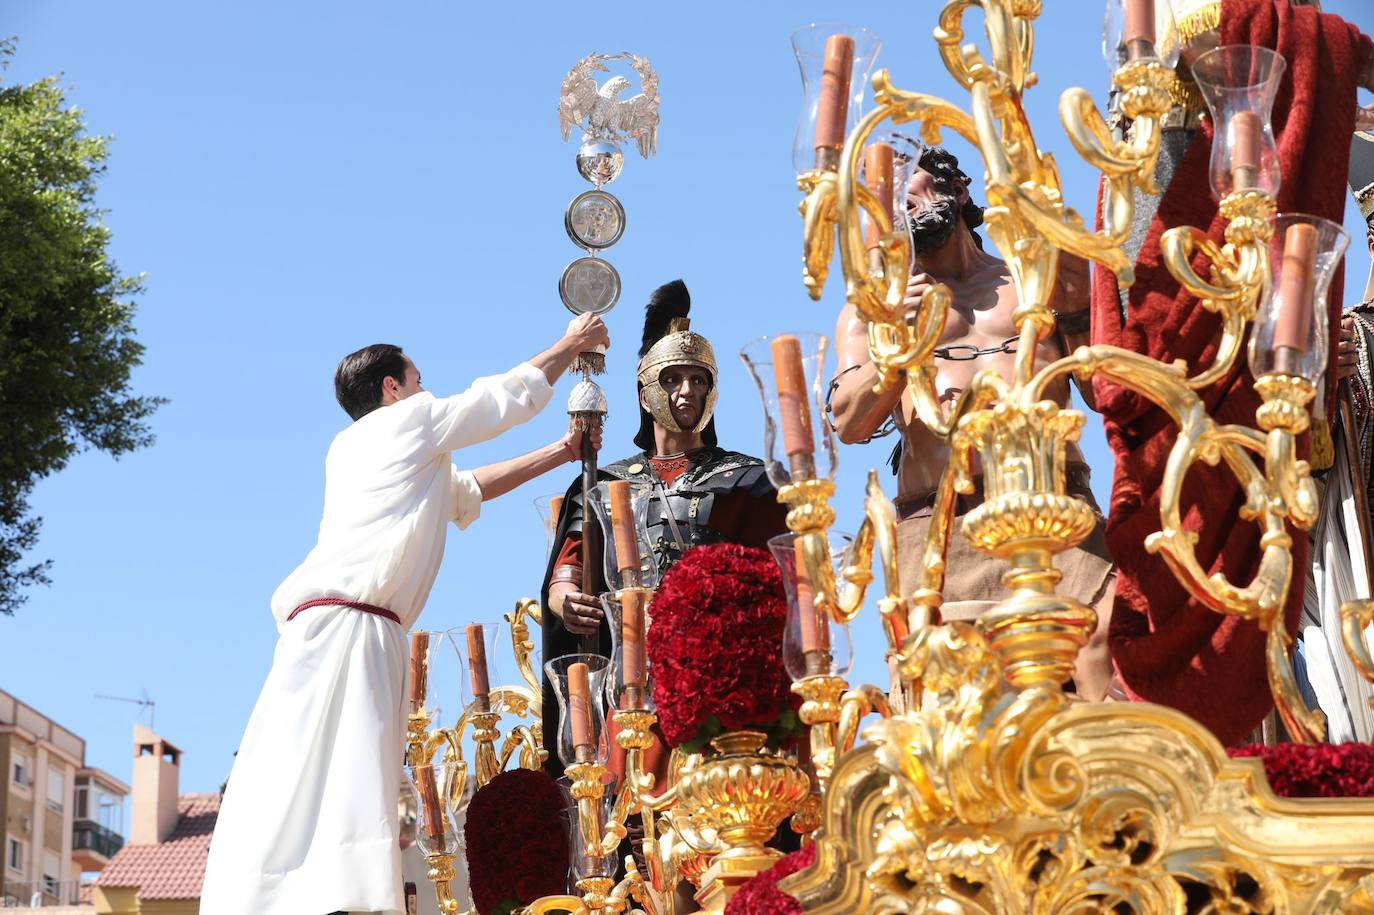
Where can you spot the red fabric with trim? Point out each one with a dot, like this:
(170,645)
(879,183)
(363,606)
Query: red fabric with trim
(1169,648)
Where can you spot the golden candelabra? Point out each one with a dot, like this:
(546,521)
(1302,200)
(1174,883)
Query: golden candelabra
(427,740)
(715,815)
(993,791)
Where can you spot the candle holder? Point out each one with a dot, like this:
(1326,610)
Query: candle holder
(809,44)
(636,692)
(1291,334)
(629,559)
(549,507)
(423,690)
(799,446)
(1239,83)
(1117,51)
(812,643)
(597,670)
(439,794)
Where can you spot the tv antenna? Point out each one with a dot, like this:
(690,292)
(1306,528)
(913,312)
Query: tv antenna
(144,703)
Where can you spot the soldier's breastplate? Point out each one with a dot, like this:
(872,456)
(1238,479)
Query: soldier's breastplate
(689,513)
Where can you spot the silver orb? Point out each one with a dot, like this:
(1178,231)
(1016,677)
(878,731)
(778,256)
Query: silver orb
(599,162)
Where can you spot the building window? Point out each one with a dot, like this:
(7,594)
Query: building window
(14,856)
(52,883)
(57,788)
(80,802)
(22,776)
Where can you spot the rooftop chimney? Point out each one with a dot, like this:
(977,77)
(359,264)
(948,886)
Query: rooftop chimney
(156,767)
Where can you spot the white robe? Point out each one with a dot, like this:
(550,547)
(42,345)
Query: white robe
(309,822)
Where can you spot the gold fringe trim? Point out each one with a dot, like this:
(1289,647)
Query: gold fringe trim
(1198,23)
(1323,455)
(1185,94)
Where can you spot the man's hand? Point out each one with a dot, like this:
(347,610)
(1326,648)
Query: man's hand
(572,442)
(586,333)
(916,286)
(580,613)
(1347,354)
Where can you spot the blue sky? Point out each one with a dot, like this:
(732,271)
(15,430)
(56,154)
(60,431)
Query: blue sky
(298,180)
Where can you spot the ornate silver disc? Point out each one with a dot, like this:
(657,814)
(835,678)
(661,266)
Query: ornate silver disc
(595,220)
(589,285)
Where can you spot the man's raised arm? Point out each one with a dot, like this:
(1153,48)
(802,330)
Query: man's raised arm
(494,404)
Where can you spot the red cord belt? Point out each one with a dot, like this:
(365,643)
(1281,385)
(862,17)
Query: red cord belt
(351,604)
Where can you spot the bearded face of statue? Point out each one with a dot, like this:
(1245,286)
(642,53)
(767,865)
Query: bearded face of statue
(938,200)
(934,213)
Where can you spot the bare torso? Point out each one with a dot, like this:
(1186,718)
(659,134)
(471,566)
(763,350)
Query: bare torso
(984,301)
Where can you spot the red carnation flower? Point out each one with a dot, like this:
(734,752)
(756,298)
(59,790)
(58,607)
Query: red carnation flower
(1316,770)
(761,896)
(715,645)
(516,849)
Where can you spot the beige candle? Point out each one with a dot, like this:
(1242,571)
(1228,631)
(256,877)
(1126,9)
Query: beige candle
(580,705)
(477,661)
(429,801)
(419,665)
(834,101)
(1246,129)
(623,526)
(794,409)
(878,167)
(632,638)
(1293,324)
(812,638)
(1140,29)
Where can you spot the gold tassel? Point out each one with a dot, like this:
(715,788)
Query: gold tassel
(1323,455)
(1195,24)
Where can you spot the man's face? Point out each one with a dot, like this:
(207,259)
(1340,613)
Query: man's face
(393,392)
(687,387)
(934,211)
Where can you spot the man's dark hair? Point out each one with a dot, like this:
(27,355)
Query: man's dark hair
(358,379)
(944,168)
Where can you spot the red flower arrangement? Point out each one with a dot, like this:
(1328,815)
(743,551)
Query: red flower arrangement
(1316,770)
(515,849)
(715,647)
(761,896)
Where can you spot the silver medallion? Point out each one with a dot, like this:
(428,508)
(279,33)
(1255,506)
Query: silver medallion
(595,220)
(589,285)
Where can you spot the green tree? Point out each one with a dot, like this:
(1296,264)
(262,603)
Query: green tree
(66,315)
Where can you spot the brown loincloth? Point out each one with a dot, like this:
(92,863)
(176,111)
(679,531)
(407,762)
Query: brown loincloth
(972,575)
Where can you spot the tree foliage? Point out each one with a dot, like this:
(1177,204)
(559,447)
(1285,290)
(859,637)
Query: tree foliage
(66,316)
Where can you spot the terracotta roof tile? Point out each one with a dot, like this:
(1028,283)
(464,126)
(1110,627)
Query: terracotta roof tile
(174,869)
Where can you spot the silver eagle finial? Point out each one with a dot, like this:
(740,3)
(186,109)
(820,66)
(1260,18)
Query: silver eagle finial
(600,111)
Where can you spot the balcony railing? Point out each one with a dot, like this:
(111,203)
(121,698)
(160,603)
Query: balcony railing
(39,893)
(88,835)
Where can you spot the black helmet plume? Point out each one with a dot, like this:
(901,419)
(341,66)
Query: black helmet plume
(669,301)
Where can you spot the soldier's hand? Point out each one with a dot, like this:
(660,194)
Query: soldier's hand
(1347,354)
(581,613)
(586,332)
(916,285)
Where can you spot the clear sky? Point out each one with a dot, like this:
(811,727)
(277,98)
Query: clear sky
(301,179)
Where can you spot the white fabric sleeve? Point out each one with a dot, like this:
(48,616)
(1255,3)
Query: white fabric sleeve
(467,497)
(490,406)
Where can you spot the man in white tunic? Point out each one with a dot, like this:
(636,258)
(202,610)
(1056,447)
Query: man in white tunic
(309,824)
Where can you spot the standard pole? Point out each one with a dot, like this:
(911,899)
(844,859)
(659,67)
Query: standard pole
(591,538)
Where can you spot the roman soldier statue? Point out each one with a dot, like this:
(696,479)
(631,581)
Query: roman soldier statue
(699,492)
